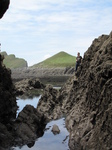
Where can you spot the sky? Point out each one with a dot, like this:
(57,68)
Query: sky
(38,29)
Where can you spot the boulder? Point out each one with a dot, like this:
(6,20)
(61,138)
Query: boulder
(55,129)
(29,125)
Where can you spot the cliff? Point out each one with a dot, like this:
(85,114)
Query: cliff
(8,105)
(12,62)
(86,99)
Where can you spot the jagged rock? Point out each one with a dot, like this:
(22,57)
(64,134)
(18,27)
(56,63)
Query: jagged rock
(36,83)
(26,85)
(8,106)
(29,125)
(48,103)
(86,99)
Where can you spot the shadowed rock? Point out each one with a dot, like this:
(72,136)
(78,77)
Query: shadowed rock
(4,5)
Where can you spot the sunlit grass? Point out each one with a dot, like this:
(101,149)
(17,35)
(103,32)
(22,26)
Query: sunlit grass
(61,59)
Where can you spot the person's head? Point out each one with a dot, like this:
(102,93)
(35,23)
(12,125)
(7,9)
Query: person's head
(78,54)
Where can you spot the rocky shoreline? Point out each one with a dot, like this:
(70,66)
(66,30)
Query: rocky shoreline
(54,76)
(85,100)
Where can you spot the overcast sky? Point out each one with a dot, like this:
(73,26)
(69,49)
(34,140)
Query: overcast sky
(37,29)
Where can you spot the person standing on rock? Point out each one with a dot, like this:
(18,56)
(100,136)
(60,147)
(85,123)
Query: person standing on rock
(78,61)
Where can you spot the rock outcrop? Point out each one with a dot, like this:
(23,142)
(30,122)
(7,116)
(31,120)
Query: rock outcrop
(8,105)
(28,86)
(4,4)
(86,99)
(28,125)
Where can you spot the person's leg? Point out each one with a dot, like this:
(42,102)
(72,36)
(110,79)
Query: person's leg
(76,66)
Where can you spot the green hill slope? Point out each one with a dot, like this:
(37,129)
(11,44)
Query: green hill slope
(10,61)
(61,59)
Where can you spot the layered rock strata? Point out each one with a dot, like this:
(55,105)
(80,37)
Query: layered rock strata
(86,99)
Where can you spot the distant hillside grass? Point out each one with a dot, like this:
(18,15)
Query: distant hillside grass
(10,61)
(61,59)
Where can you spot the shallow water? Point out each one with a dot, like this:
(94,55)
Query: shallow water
(49,141)
(23,102)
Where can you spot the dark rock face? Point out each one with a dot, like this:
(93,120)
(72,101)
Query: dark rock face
(4,4)
(86,99)
(29,125)
(8,105)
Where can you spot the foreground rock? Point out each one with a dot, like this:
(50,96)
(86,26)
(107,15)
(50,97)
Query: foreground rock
(86,99)
(8,106)
(28,126)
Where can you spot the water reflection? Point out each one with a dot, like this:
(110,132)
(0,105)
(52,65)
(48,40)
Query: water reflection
(23,102)
(49,141)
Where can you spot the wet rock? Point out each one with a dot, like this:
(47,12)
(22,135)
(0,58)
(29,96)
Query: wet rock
(55,129)
(29,125)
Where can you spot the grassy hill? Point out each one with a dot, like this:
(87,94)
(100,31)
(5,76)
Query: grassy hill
(61,59)
(10,61)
